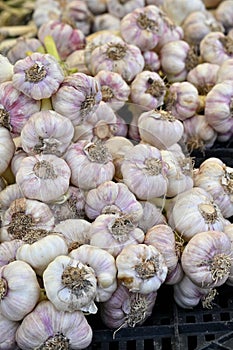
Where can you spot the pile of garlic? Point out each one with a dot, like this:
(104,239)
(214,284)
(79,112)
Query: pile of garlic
(100,201)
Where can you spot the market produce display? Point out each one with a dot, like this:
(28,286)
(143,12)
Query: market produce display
(102,103)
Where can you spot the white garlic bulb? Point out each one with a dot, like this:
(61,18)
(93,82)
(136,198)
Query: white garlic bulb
(8,331)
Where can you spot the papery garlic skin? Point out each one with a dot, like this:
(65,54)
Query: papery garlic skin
(141,268)
(40,252)
(143,27)
(92,158)
(111,197)
(215,177)
(152,215)
(7,71)
(148,89)
(114,232)
(62,328)
(7,148)
(38,75)
(104,266)
(75,232)
(115,91)
(8,331)
(127,309)
(24,215)
(8,251)
(106,21)
(20,290)
(225,71)
(120,9)
(18,156)
(206,259)
(125,59)
(70,285)
(76,60)
(144,172)
(215,48)
(15,108)
(21,47)
(218,107)
(160,128)
(152,61)
(194,211)
(47,132)
(229,232)
(182,100)
(77,97)
(44,177)
(178,10)
(203,77)
(8,195)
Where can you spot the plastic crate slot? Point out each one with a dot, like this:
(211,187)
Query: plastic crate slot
(225,316)
(192,342)
(190,319)
(207,317)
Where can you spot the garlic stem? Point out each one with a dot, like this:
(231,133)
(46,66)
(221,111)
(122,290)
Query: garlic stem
(51,48)
(13,31)
(46,104)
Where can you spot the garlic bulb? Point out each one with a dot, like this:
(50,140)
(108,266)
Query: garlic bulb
(224,14)
(75,232)
(104,266)
(56,329)
(7,148)
(8,251)
(152,61)
(194,211)
(92,158)
(160,128)
(229,232)
(44,177)
(16,160)
(188,295)
(7,72)
(178,10)
(76,60)
(112,198)
(144,172)
(215,47)
(8,331)
(206,259)
(40,247)
(152,215)
(126,309)
(163,238)
(120,8)
(215,177)
(46,132)
(113,232)
(141,268)
(225,71)
(8,195)
(70,285)
(106,21)
(21,47)
(148,89)
(19,290)
(97,6)
(23,216)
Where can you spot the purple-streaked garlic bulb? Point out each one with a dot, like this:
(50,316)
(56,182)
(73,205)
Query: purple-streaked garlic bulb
(177,10)
(7,148)
(25,215)
(179,173)
(15,108)
(112,198)
(75,232)
(45,11)
(206,259)
(38,75)
(225,71)
(8,331)
(119,57)
(188,295)
(216,47)
(162,237)
(77,13)
(46,132)
(215,177)
(8,195)
(152,215)
(144,172)
(57,328)
(224,14)
(218,107)
(92,158)
(120,128)
(198,24)
(198,134)
(98,126)
(148,89)
(194,211)
(113,232)
(18,156)
(160,128)
(176,275)
(115,91)
(229,232)
(8,251)
(121,8)
(182,100)
(152,61)
(126,309)
(70,285)
(177,58)
(43,177)
(77,97)
(106,21)
(67,38)
(21,47)
(104,266)
(171,32)
(70,207)
(143,27)
(141,268)
(20,290)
